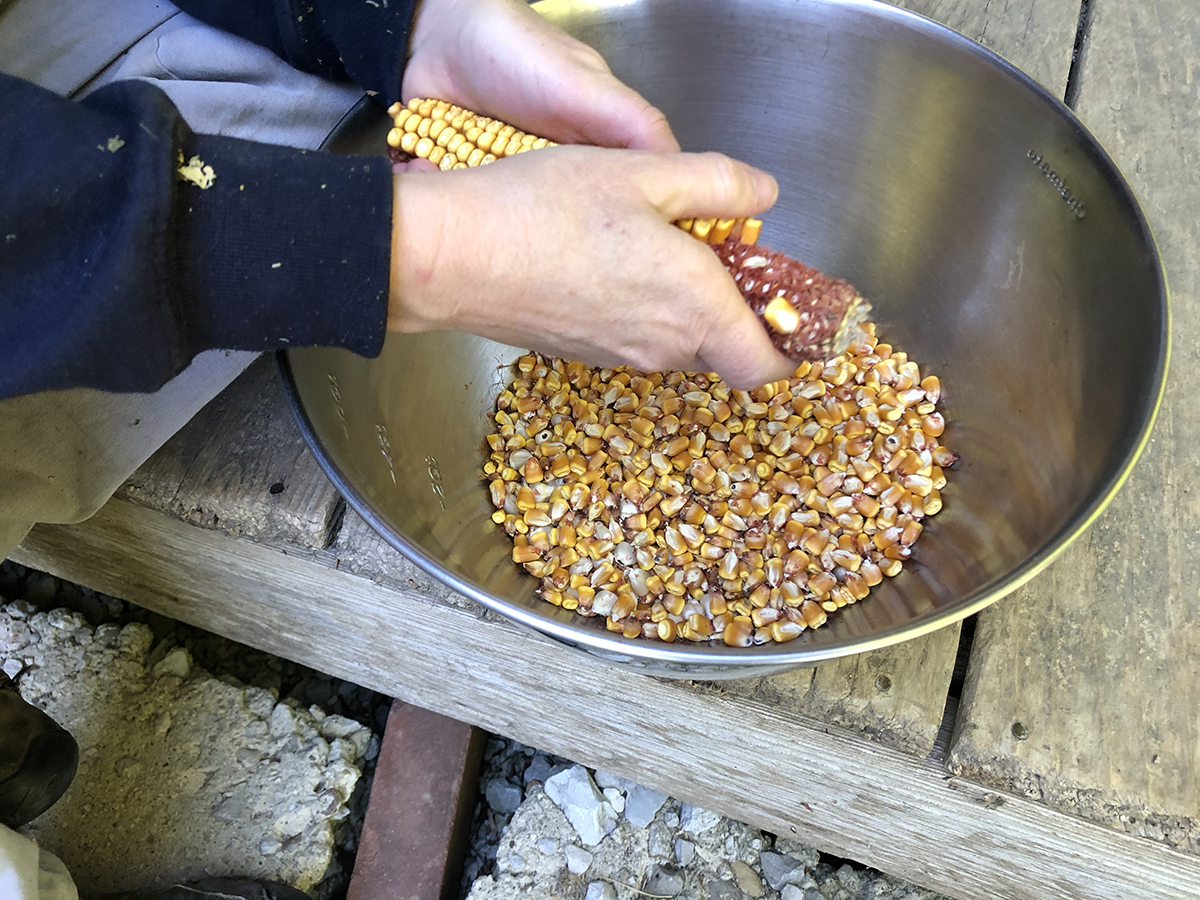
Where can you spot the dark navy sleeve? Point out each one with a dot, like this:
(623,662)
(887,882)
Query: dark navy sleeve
(365,41)
(115,270)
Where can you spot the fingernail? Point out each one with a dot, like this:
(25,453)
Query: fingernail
(768,188)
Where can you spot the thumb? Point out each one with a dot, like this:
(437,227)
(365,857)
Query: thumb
(618,116)
(711,185)
(741,352)
(708,185)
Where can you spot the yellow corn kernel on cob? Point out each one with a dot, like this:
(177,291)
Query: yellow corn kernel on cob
(809,315)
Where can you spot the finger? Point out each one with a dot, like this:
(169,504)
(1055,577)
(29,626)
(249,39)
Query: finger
(414,165)
(691,185)
(741,352)
(599,110)
(619,116)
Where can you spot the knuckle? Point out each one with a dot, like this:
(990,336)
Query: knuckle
(655,118)
(726,172)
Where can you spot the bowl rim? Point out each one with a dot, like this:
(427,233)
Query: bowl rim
(696,659)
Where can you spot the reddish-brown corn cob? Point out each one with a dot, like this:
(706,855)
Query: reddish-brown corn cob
(810,316)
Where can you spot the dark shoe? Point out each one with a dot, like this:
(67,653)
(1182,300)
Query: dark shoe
(38,758)
(216,889)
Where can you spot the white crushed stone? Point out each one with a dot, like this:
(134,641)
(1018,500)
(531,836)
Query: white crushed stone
(578,859)
(615,799)
(678,850)
(685,851)
(780,870)
(695,820)
(588,811)
(642,805)
(181,775)
(623,859)
(605,780)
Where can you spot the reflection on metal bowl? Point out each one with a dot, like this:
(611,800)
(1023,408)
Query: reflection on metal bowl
(998,243)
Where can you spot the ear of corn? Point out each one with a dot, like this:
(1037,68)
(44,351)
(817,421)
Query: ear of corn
(809,315)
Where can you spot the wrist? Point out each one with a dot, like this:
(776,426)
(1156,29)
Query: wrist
(418,231)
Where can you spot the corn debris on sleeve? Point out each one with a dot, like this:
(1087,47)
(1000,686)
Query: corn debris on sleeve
(809,315)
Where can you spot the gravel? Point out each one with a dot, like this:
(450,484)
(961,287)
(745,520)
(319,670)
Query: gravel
(584,834)
(198,755)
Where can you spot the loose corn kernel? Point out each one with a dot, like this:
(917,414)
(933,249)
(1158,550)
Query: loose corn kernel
(671,507)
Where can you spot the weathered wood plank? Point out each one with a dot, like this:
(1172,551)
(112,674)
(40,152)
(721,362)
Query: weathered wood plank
(1099,659)
(361,551)
(1036,36)
(832,788)
(241,466)
(896,695)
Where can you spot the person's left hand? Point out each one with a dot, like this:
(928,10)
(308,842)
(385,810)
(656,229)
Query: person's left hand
(501,59)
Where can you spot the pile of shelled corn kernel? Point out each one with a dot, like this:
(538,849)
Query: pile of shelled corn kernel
(678,508)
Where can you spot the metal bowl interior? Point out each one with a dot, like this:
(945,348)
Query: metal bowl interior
(997,241)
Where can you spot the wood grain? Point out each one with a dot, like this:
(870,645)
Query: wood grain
(1099,659)
(896,696)
(739,757)
(241,467)
(360,550)
(1036,36)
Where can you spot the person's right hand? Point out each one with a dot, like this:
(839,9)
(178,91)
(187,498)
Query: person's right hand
(570,251)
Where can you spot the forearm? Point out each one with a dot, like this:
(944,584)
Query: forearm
(114,272)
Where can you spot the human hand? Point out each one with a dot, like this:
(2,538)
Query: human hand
(502,59)
(569,251)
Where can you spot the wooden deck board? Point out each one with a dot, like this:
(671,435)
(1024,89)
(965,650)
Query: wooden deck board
(241,467)
(764,764)
(1036,36)
(896,695)
(1099,658)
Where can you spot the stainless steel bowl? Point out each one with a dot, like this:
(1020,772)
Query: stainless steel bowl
(999,245)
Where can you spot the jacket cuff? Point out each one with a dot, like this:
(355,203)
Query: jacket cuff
(281,247)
